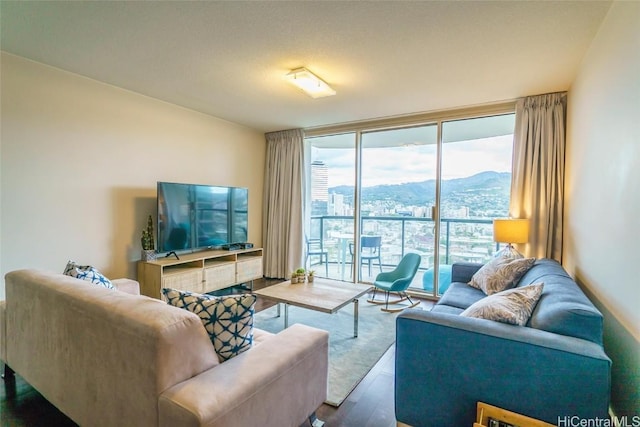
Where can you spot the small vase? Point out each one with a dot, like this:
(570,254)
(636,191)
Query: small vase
(149,255)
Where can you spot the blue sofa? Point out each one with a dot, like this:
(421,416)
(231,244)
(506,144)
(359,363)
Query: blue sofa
(555,366)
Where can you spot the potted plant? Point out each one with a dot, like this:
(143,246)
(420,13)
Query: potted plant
(294,277)
(148,246)
(311,274)
(302,277)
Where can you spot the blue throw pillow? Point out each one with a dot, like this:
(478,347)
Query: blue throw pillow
(89,273)
(228,319)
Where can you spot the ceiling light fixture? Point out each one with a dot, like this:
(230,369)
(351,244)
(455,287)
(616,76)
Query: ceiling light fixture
(308,82)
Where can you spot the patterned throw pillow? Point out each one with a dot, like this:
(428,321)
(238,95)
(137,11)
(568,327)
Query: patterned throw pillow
(89,273)
(500,273)
(228,319)
(513,306)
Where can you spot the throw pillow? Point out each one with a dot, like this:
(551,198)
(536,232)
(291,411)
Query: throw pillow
(513,306)
(228,319)
(89,273)
(500,274)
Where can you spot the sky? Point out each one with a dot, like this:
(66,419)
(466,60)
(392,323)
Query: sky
(415,163)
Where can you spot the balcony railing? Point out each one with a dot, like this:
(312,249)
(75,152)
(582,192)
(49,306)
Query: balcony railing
(461,239)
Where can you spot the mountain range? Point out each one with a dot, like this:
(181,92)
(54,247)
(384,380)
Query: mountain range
(487,184)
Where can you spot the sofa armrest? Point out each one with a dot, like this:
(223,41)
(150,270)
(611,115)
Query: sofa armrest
(277,383)
(464,271)
(128,286)
(446,363)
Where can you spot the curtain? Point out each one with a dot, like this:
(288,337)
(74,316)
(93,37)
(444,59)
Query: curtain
(537,182)
(282,213)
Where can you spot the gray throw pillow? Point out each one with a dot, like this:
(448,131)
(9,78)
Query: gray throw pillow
(500,273)
(513,306)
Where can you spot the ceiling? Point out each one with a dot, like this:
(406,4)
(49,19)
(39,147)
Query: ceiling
(384,58)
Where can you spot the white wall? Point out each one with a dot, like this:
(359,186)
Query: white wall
(602,209)
(80,160)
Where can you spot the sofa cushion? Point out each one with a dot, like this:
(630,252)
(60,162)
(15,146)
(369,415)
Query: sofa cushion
(88,273)
(447,309)
(500,273)
(563,308)
(461,295)
(513,306)
(227,319)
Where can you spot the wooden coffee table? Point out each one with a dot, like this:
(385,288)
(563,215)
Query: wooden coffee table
(325,295)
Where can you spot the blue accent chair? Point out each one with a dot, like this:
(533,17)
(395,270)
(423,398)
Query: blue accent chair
(397,281)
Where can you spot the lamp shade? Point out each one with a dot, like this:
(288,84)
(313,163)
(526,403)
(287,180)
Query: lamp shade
(511,230)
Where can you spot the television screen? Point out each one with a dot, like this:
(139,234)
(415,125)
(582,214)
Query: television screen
(192,216)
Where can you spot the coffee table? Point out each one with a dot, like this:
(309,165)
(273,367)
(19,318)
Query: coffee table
(324,295)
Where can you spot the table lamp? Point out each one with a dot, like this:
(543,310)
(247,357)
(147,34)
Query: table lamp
(510,230)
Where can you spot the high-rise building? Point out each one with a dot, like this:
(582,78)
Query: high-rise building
(336,206)
(319,181)
(319,187)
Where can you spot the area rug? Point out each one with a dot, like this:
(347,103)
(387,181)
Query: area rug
(350,359)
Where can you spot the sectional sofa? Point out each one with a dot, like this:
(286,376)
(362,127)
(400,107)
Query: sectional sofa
(552,367)
(106,357)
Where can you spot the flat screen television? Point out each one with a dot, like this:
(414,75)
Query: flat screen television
(193,216)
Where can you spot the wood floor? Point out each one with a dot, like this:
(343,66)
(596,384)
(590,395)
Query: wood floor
(369,405)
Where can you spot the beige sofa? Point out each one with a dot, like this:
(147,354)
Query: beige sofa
(108,358)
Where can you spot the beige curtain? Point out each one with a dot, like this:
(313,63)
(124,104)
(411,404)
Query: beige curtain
(282,224)
(537,184)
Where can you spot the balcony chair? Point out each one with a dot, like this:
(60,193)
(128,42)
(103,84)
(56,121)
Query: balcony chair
(397,281)
(444,279)
(314,248)
(369,251)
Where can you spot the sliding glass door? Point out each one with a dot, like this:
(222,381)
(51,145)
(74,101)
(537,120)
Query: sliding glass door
(397,196)
(475,189)
(432,188)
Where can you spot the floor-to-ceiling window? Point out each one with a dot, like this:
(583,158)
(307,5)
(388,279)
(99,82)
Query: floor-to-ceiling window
(430,187)
(475,177)
(330,203)
(397,194)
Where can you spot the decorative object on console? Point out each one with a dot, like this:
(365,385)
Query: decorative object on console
(301,274)
(509,231)
(500,273)
(228,319)
(148,246)
(311,274)
(88,273)
(513,306)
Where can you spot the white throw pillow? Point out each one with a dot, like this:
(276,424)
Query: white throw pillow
(500,273)
(88,273)
(513,306)
(227,319)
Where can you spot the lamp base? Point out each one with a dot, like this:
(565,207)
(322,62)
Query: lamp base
(509,252)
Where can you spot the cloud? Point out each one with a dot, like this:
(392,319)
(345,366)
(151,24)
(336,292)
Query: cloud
(415,163)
